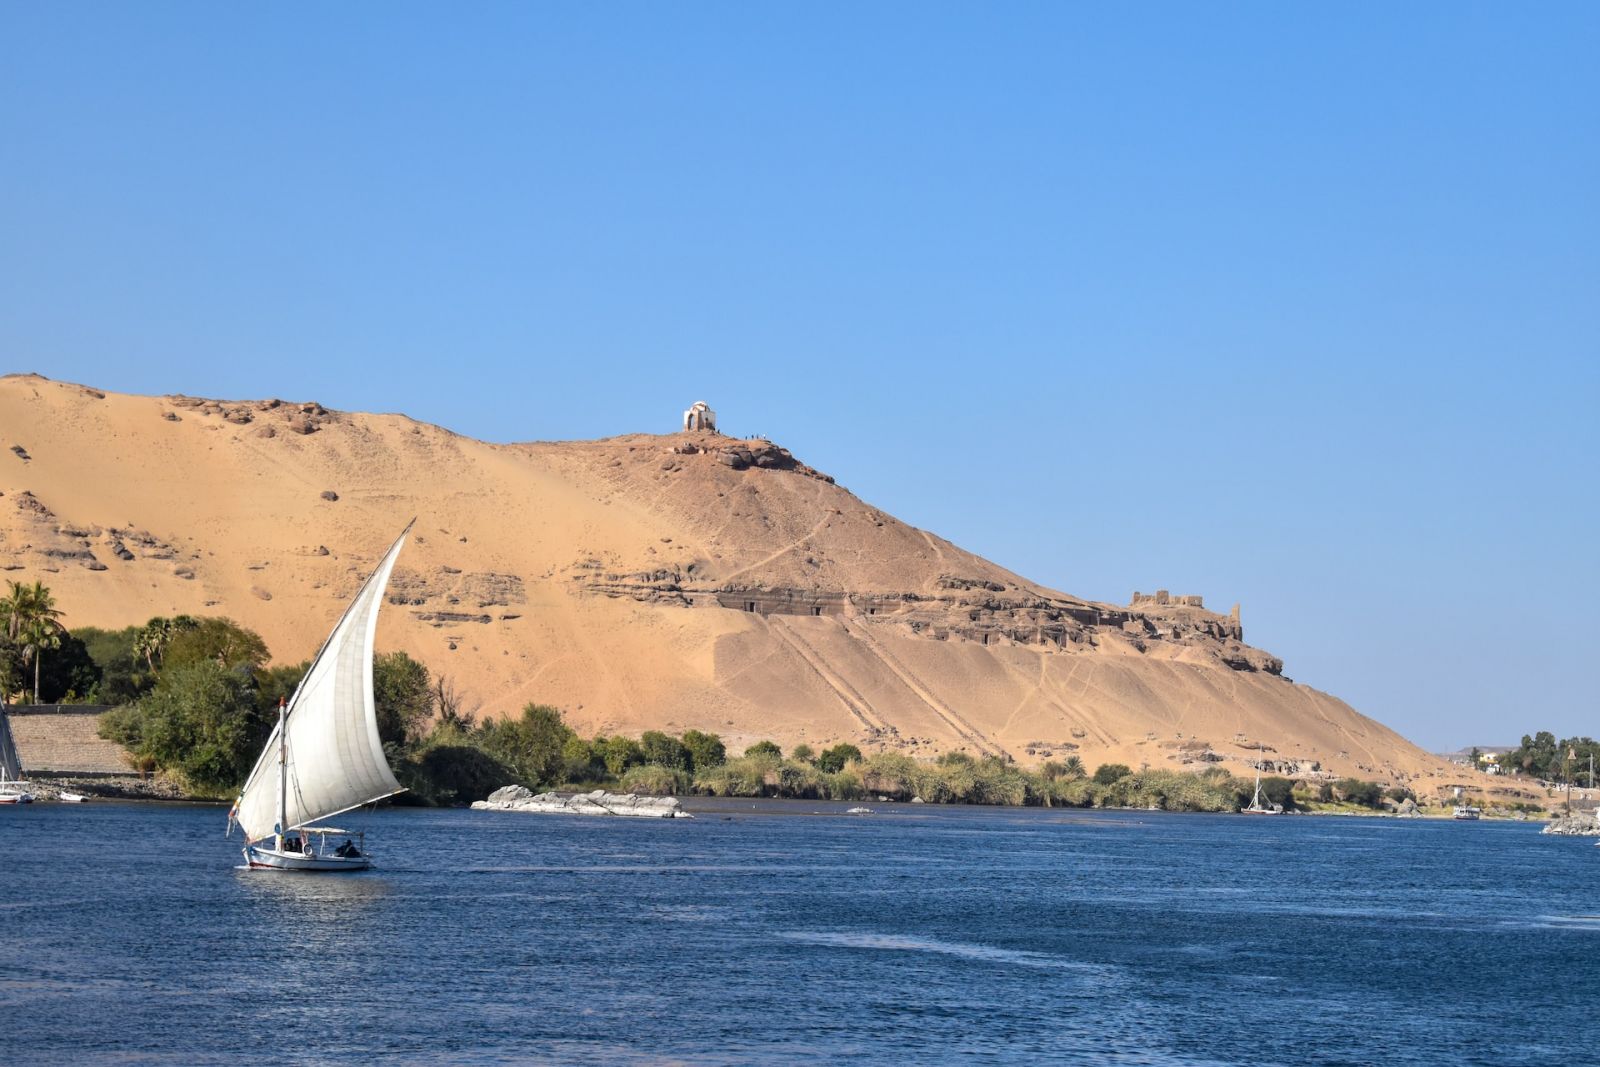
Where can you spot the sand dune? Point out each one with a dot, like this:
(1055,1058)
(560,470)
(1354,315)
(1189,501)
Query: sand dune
(647,581)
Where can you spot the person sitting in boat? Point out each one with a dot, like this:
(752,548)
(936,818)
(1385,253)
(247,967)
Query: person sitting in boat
(291,844)
(347,850)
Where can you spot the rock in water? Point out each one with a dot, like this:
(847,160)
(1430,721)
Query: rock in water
(507,794)
(1578,824)
(599,802)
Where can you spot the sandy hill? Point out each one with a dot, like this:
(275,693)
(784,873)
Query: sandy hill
(647,581)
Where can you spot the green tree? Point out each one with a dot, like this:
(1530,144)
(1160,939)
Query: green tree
(581,760)
(200,722)
(10,665)
(1355,791)
(32,624)
(402,696)
(122,676)
(531,745)
(705,750)
(70,675)
(450,768)
(219,640)
(833,759)
(153,637)
(664,750)
(803,753)
(1110,773)
(274,684)
(618,754)
(1276,790)
(765,748)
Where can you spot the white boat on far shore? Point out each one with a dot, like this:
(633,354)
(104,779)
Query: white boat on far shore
(13,789)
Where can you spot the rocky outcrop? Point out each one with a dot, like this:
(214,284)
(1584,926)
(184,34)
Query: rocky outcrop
(1577,824)
(757,452)
(599,802)
(305,418)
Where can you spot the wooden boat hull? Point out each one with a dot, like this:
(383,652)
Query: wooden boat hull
(16,798)
(272,860)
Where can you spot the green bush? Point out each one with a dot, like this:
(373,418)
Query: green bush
(1108,773)
(833,759)
(765,748)
(218,640)
(450,769)
(1355,791)
(664,750)
(201,722)
(618,753)
(121,676)
(652,779)
(743,777)
(530,746)
(705,750)
(1276,790)
(402,694)
(844,785)
(890,774)
(581,761)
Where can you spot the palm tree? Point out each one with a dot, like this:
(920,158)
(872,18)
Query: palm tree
(154,637)
(32,624)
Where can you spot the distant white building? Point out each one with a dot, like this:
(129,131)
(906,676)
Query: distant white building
(700,417)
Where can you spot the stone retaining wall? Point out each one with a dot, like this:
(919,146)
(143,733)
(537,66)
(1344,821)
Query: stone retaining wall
(61,740)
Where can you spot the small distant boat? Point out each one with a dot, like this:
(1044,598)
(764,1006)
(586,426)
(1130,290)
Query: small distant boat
(860,811)
(324,757)
(72,798)
(1467,813)
(13,789)
(1257,807)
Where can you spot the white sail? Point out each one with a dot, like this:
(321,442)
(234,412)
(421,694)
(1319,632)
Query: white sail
(333,757)
(10,762)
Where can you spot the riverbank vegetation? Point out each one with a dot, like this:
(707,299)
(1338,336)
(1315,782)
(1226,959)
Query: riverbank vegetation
(195,700)
(1544,757)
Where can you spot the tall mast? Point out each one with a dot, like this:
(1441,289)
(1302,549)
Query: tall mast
(1256,801)
(283,774)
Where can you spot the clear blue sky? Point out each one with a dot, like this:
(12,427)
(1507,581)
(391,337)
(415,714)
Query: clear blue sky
(1296,305)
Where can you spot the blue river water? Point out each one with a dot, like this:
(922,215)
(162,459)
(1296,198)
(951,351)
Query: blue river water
(777,932)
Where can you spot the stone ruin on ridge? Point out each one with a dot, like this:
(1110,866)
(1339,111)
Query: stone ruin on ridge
(700,417)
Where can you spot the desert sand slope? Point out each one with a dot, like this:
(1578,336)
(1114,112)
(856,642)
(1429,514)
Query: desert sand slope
(647,581)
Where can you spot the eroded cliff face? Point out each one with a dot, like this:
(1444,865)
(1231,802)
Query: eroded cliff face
(646,581)
(899,580)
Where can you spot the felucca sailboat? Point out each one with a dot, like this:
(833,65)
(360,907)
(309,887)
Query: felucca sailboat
(324,757)
(1257,804)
